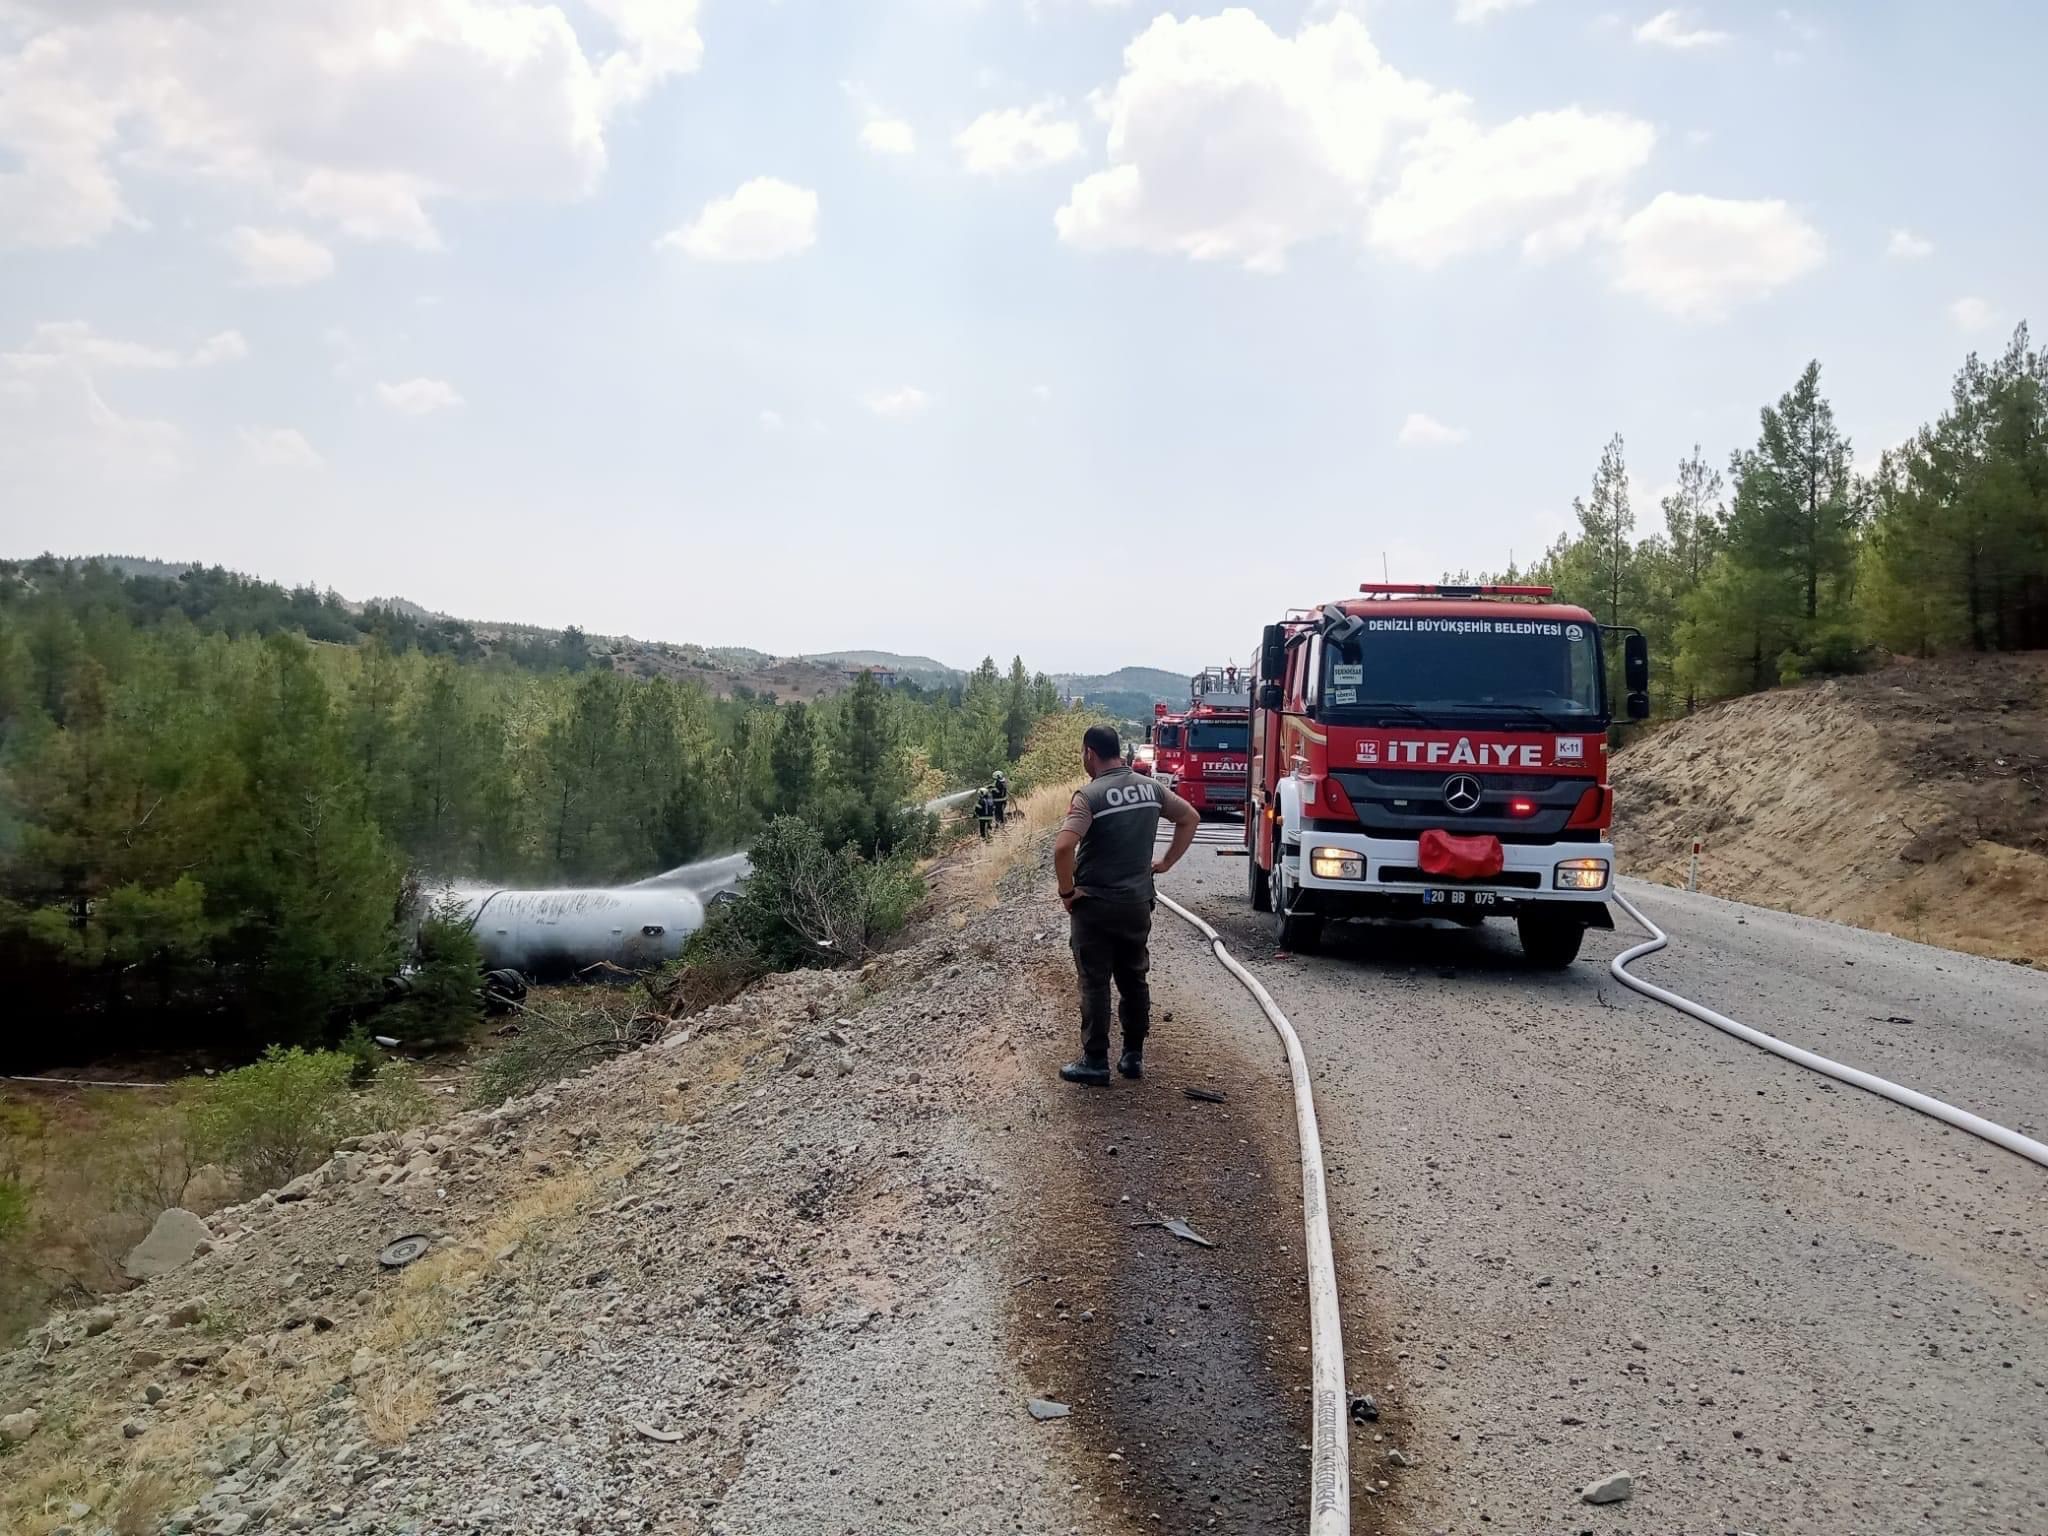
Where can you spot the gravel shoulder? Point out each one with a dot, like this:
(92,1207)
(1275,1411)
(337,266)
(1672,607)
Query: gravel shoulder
(798,1269)
(1603,1237)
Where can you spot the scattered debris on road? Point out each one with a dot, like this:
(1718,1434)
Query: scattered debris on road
(1206,1095)
(1179,1229)
(1043,1408)
(1611,1489)
(402,1251)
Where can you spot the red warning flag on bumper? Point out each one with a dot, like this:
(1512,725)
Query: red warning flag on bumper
(1459,858)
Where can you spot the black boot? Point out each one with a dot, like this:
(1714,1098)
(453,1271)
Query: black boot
(1132,1062)
(1093,1070)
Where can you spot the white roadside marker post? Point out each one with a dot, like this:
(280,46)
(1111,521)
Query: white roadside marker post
(1692,880)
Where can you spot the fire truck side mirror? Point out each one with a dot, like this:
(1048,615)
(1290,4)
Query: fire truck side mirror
(1269,695)
(1635,665)
(1272,655)
(1639,705)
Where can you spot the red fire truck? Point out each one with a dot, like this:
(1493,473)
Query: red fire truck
(1436,752)
(1201,751)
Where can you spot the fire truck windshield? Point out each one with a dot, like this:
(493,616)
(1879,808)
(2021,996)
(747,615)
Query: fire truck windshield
(1219,736)
(1504,666)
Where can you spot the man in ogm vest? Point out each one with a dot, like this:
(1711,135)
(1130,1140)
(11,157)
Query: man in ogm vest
(1103,860)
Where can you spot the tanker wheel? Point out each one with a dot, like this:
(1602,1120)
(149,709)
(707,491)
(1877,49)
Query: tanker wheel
(1549,942)
(1260,882)
(1294,931)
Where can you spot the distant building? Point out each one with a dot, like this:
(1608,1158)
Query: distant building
(884,676)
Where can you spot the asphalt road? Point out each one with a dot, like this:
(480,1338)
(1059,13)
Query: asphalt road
(1588,1234)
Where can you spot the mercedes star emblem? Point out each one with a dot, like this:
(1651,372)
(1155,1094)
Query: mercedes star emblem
(1461,793)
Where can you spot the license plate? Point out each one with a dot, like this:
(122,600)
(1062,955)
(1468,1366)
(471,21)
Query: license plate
(1435,897)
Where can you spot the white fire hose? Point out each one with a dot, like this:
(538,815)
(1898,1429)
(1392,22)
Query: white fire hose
(1961,1119)
(1329,1449)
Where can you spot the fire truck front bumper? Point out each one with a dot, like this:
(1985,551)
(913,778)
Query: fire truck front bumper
(1345,874)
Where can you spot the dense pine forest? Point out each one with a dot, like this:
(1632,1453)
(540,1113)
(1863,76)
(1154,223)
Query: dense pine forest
(1790,564)
(219,798)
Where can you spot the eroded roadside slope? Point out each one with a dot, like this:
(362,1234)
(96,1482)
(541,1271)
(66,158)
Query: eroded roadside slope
(796,1269)
(1912,800)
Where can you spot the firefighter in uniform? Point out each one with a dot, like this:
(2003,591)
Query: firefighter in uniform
(1000,793)
(1103,862)
(985,811)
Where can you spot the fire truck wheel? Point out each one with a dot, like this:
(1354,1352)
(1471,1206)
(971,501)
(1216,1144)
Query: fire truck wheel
(1261,886)
(1295,931)
(1548,942)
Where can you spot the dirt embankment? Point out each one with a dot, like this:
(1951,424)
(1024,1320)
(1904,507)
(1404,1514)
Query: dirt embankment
(1912,800)
(800,1268)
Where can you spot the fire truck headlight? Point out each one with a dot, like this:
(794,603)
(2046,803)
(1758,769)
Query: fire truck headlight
(1582,875)
(1336,864)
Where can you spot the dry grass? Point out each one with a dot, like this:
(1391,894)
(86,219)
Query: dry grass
(976,876)
(395,1399)
(393,1406)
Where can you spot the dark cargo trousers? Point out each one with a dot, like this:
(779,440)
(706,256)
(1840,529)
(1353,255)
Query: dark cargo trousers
(1111,939)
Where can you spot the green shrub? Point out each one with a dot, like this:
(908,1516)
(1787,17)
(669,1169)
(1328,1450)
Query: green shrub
(806,905)
(275,1118)
(13,1212)
(442,1002)
(365,1055)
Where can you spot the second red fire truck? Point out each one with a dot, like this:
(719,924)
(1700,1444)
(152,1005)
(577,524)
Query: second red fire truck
(1436,751)
(1202,750)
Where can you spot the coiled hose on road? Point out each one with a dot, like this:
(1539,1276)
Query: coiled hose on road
(1329,1444)
(1961,1119)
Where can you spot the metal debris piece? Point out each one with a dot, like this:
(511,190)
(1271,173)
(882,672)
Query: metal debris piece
(1043,1408)
(1207,1095)
(405,1250)
(661,1436)
(1179,1229)
(1364,1409)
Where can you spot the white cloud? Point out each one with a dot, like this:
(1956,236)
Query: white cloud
(899,404)
(361,113)
(889,136)
(1904,245)
(764,220)
(58,431)
(1972,314)
(1018,139)
(1424,431)
(75,343)
(279,258)
(1698,257)
(1229,142)
(1041,392)
(1470,11)
(226,347)
(1678,29)
(771,421)
(419,397)
(1549,179)
(279,448)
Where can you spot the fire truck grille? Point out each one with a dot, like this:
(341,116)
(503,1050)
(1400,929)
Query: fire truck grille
(1408,874)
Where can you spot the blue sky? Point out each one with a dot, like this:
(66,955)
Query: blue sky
(1079,329)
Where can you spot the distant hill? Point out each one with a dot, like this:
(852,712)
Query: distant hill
(133,565)
(1159,687)
(250,602)
(921,669)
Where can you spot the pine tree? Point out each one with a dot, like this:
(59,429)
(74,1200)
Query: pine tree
(794,760)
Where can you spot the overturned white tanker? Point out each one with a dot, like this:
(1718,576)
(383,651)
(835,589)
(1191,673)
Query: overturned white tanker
(558,933)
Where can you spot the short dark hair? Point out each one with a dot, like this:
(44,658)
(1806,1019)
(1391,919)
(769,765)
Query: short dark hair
(1101,740)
